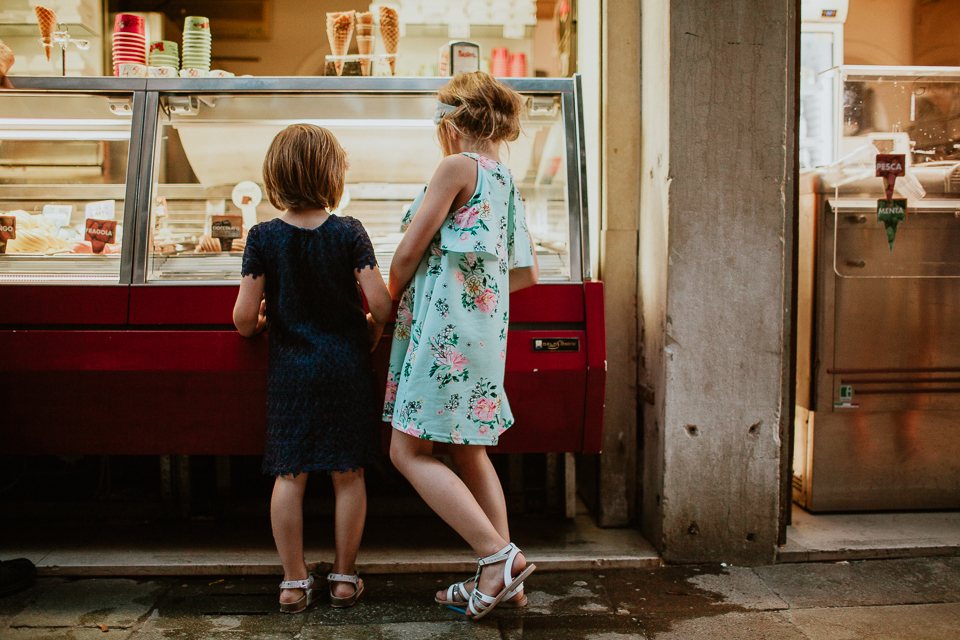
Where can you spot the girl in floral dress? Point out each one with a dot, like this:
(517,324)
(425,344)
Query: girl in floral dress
(466,247)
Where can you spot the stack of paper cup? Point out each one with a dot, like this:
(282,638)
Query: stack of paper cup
(196,43)
(518,65)
(499,62)
(164,53)
(129,41)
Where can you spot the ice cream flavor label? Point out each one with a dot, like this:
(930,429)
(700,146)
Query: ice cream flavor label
(101,210)
(226,229)
(889,166)
(100,233)
(891,213)
(58,214)
(8,231)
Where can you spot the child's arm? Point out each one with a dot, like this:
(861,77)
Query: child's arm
(249,311)
(523,277)
(453,182)
(375,291)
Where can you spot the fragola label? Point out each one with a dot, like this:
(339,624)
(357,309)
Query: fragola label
(100,233)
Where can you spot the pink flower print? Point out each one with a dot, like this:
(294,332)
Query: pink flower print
(440,413)
(466,218)
(413,430)
(456,436)
(481,345)
(391,389)
(486,301)
(483,430)
(453,359)
(486,162)
(503,355)
(464,237)
(404,315)
(485,409)
(459,277)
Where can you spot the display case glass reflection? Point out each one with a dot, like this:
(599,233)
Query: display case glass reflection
(207,145)
(63,169)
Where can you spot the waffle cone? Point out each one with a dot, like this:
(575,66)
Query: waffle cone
(47,20)
(390,34)
(6,59)
(339,32)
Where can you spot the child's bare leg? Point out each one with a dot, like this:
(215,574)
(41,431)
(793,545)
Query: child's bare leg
(351,511)
(450,498)
(481,478)
(286,518)
(478,473)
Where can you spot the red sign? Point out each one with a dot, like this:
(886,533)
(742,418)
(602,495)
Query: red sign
(8,231)
(100,233)
(889,166)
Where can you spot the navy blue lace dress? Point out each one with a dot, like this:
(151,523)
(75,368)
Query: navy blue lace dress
(322,412)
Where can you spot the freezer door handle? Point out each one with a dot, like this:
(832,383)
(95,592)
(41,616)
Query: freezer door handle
(860,264)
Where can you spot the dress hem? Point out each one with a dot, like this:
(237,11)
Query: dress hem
(448,440)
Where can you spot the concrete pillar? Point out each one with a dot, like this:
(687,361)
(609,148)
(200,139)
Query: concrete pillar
(620,206)
(716,215)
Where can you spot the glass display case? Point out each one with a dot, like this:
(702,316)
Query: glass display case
(64,166)
(208,143)
(879,301)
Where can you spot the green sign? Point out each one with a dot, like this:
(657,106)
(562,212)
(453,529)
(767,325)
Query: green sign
(891,214)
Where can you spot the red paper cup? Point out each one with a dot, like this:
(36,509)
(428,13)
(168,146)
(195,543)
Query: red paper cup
(128,23)
(518,65)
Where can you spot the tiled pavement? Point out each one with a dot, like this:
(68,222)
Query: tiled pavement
(905,599)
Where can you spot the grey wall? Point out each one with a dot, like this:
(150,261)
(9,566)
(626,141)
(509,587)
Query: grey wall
(716,210)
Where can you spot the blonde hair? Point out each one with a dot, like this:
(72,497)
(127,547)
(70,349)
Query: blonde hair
(304,169)
(485,108)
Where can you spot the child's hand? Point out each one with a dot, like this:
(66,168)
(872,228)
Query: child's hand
(261,317)
(374,332)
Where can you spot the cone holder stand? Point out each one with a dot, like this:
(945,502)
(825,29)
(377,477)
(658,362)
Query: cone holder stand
(62,38)
(356,57)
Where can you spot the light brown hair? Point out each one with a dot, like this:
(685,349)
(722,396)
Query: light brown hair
(485,108)
(304,169)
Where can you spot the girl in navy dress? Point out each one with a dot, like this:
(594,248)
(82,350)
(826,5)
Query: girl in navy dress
(300,275)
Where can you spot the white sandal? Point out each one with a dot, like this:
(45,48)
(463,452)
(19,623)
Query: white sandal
(480,604)
(458,596)
(350,600)
(305,600)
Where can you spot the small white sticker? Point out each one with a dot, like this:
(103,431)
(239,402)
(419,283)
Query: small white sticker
(101,210)
(458,29)
(58,214)
(514,30)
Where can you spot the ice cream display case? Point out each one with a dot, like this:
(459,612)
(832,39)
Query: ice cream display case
(128,202)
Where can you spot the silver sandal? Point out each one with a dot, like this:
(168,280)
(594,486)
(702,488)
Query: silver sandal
(350,600)
(305,600)
(458,596)
(480,604)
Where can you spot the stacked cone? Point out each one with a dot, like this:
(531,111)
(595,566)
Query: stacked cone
(390,33)
(47,20)
(365,40)
(339,32)
(6,59)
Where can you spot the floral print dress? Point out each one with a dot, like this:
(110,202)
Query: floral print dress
(445,381)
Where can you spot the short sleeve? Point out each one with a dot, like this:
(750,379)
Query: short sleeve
(519,248)
(252,256)
(363,254)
